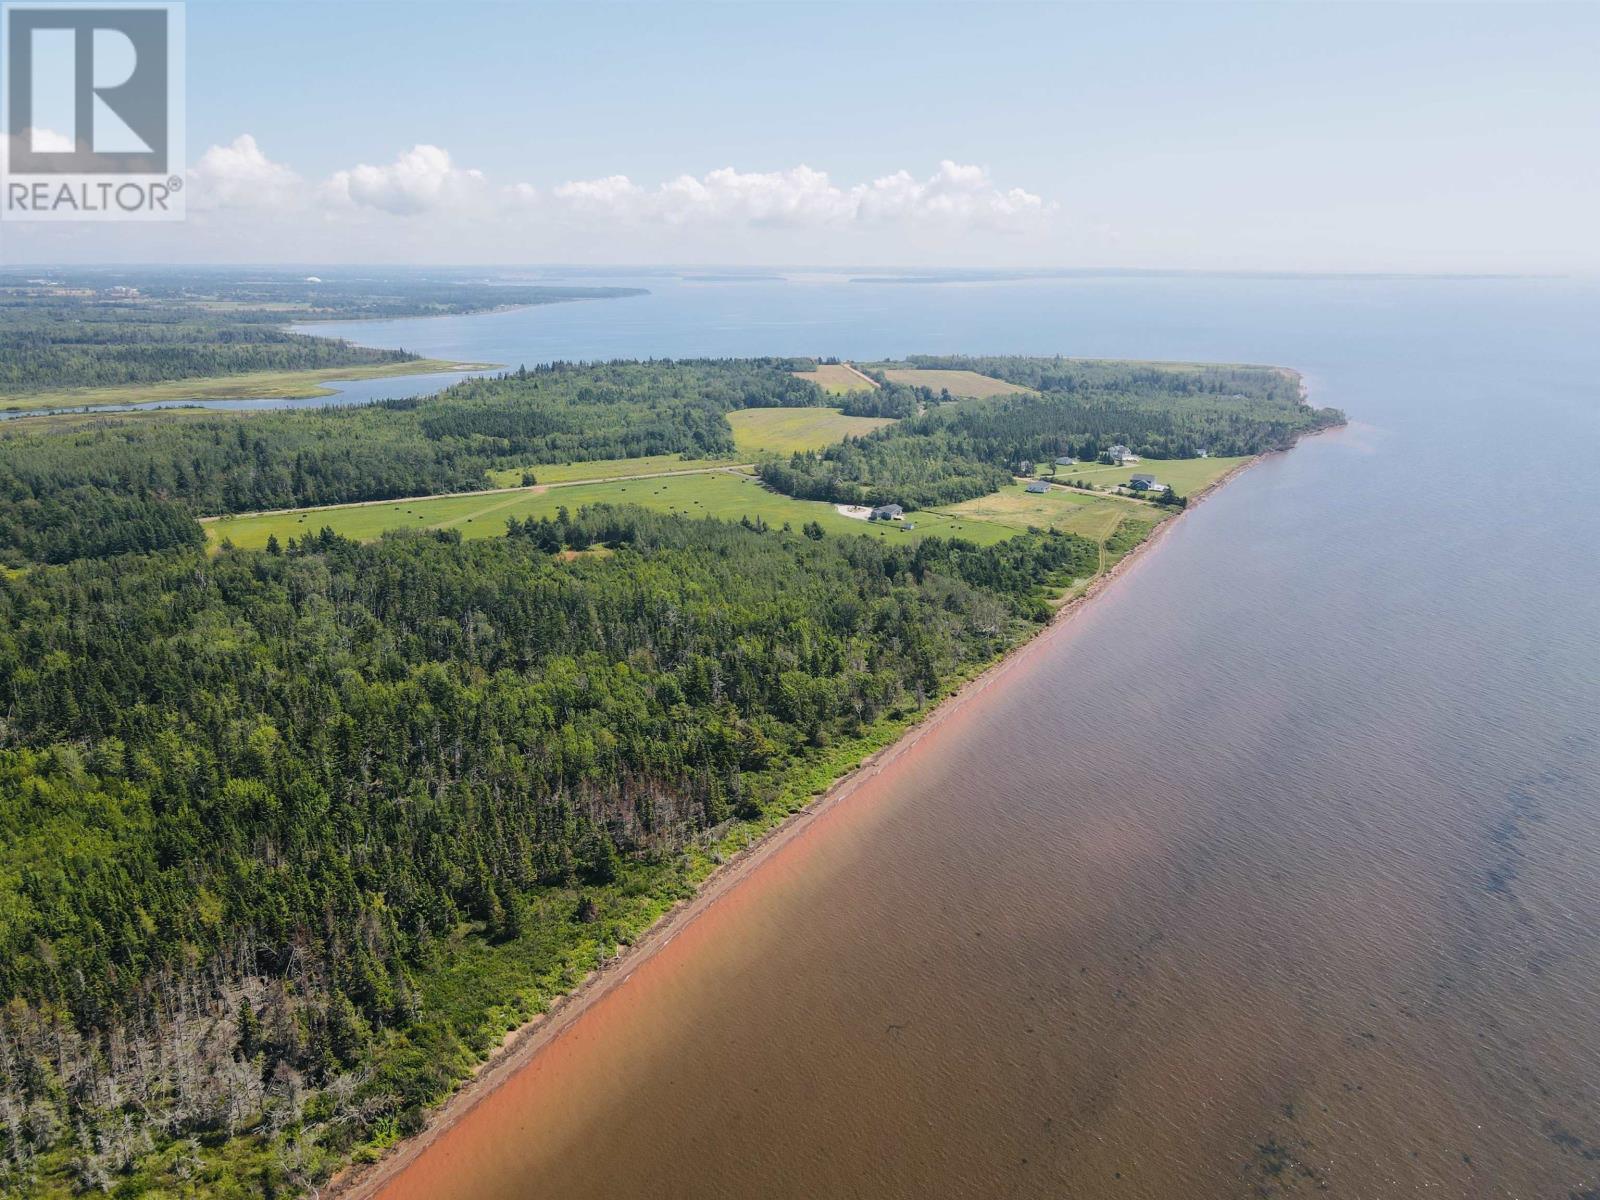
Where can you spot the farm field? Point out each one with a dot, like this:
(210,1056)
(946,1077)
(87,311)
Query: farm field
(763,432)
(251,385)
(1187,475)
(727,495)
(960,383)
(837,379)
(606,468)
(1094,517)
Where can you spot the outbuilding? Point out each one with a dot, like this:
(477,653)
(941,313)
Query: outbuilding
(1038,486)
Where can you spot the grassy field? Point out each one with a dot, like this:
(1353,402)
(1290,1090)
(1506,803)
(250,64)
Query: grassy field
(762,432)
(1094,517)
(1187,475)
(837,379)
(606,468)
(251,385)
(723,494)
(960,383)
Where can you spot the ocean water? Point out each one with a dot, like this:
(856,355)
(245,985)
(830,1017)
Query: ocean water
(1276,872)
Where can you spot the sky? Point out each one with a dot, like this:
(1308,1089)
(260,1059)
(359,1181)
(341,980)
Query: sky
(1264,137)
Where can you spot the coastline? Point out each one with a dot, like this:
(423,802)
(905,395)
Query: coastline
(521,1046)
(308,384)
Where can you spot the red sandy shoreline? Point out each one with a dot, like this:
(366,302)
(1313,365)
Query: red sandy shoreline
(524,1044)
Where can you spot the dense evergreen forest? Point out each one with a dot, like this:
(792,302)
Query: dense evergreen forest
(259,812)
(109,484)
(93,330)
(956,451)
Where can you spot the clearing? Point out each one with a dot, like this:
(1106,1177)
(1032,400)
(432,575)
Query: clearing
(1094,517)
(966,384)
(767,432)
(837,379)
(1186,475)
(724,494)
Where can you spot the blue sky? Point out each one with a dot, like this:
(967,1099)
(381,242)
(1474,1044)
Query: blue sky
(1427,137)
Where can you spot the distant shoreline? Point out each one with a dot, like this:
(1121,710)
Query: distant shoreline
(307,384)
(521,1046)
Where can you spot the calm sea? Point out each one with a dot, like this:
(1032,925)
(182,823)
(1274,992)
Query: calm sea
(1276,873)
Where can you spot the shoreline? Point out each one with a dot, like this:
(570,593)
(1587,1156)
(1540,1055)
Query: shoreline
(522,1045)
(311,383)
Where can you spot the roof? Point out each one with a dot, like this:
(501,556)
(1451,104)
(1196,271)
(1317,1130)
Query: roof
(1041,486)
(1144,479)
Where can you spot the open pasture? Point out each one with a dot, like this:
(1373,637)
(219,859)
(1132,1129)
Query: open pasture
(966,384)
(837,379)
(768,432)
(726,495)
(1093,517)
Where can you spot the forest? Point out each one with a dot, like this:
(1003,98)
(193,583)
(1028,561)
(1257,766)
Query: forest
(93,330)
(286,835)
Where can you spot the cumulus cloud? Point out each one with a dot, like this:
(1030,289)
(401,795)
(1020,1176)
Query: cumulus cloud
(421,179)
(425,179)
(240,175)
(956,194)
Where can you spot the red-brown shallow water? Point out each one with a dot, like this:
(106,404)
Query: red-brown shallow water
(1276,873)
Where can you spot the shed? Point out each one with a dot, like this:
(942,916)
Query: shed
(1038,485)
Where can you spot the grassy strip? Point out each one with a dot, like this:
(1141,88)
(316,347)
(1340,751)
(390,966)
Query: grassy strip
(252,385)
(605,468)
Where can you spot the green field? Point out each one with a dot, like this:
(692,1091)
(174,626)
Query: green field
(960,383)
(1094,517)
(1186,475)
(606,468)
(250,385)
(837,379)
(723,494)
(762,432)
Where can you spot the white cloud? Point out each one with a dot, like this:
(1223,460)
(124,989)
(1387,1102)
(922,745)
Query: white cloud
(421,179)
(240,175)
(955,195)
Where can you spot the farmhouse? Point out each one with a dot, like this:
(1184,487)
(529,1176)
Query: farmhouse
(887,512)
(1146,483)
(1120,454)
(1038,485)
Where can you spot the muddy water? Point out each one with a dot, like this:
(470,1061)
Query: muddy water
(1275,873)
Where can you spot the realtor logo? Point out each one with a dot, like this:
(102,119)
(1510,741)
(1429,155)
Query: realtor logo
(93,118)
